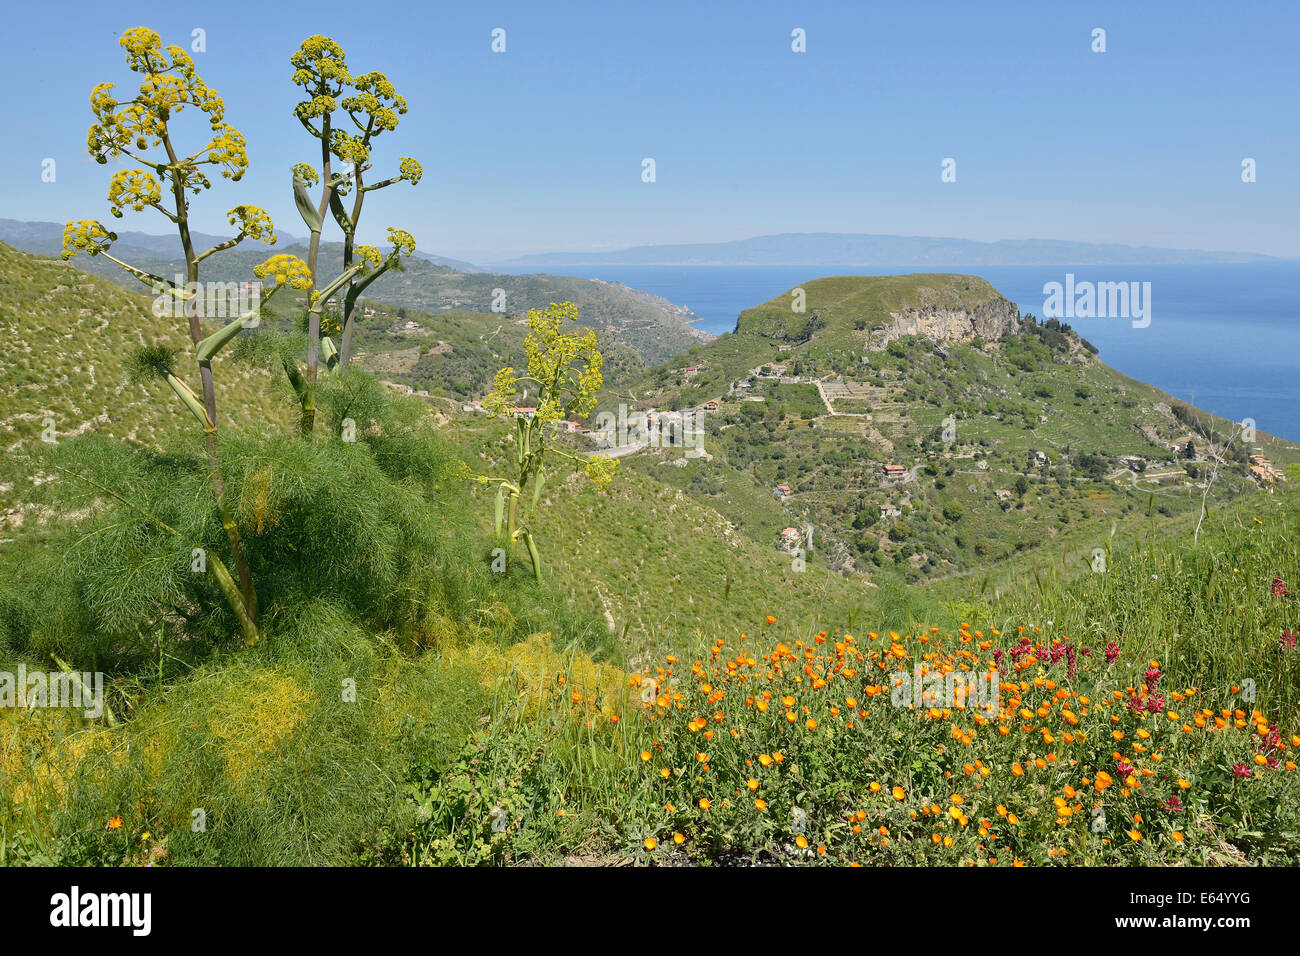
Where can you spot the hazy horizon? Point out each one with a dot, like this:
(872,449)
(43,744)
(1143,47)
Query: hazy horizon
(517,263)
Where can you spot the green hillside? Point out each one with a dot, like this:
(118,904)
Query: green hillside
(837,306)
(69,337)
(1006,442)
(830,332)
(661,566)
(652,327)
(455,354)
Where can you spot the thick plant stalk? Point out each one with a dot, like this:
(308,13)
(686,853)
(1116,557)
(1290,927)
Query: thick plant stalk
(313,254)
(349,227)
(307,420)
(227,585)
(349,224)
(247,614)
(215,472)
(306,394)
(85,691)
(512,521)
(355,288)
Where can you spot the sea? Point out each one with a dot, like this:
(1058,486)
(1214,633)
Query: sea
(1225,338)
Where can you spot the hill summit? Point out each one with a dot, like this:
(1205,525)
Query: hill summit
(875,310)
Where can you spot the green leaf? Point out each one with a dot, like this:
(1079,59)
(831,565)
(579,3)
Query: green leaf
(329,351)
(340,215)
(215,342)
(532,553)
(189,398)
(537,488)
(306,208)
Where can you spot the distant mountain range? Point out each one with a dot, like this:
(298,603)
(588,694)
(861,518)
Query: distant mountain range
(46,239)
(821,249)
(647,326)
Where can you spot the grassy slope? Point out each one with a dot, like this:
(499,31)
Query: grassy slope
(68,335)
(457,353)
(661,566)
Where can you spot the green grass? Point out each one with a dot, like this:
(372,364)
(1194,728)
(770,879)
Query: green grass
(471,756)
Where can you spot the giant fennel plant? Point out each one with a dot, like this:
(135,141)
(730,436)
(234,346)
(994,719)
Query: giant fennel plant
(141,129)
(371,106)
(565,369)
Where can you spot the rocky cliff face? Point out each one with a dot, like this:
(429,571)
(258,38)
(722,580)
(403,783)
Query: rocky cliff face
(990,321)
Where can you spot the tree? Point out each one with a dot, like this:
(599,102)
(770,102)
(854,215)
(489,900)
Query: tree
(866,518)
(900,531)
(565,369)
(1092,464)
(137,128)
(1022,486)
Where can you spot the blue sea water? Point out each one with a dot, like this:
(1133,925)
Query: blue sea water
(1224,337)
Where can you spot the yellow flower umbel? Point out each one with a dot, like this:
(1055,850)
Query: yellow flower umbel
(86,235)
(170,84)
(284,269)
(135,188)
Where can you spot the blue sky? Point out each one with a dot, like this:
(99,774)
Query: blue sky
(540,148)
